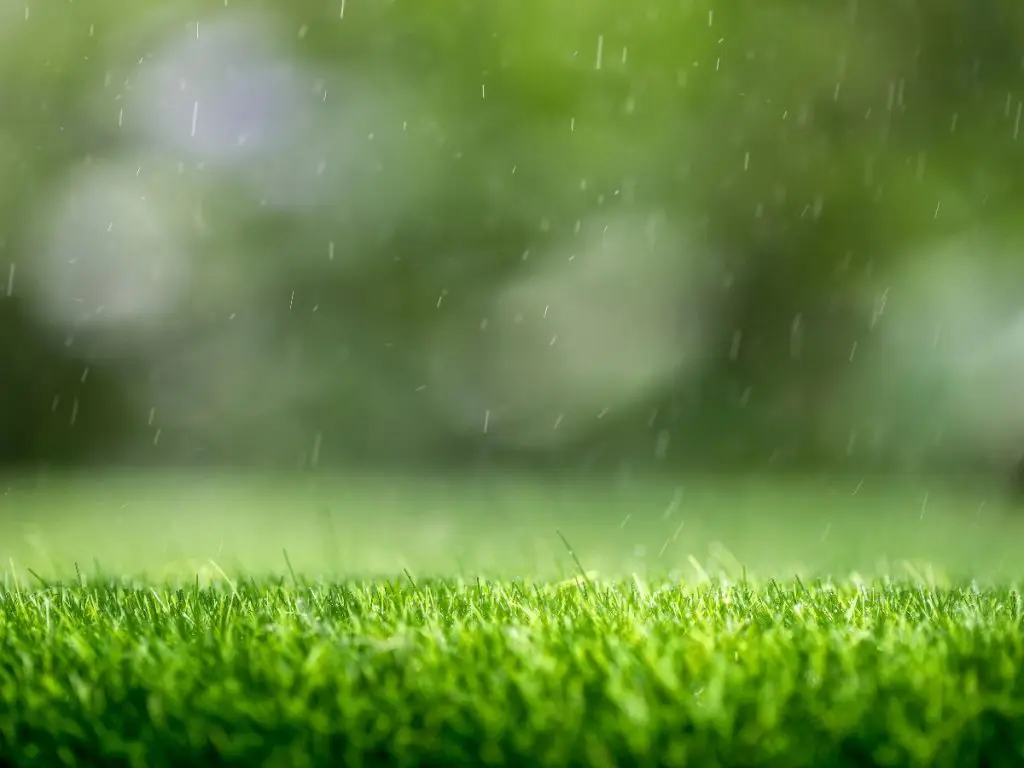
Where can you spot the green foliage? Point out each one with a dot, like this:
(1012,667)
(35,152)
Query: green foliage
(812,148)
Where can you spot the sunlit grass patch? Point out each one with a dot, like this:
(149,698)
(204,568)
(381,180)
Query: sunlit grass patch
(583,672)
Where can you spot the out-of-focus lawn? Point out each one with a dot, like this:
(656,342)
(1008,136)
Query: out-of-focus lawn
(176,524)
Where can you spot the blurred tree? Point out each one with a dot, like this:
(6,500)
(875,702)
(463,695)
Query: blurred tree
(292,233)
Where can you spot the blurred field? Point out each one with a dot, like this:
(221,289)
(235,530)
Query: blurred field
(341,526)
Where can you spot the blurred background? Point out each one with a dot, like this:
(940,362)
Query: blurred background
(413,237)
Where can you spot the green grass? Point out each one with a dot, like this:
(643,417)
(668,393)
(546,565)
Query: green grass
(447,673)
(723,624)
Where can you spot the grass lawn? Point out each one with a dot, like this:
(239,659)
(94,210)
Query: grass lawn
(742,624)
